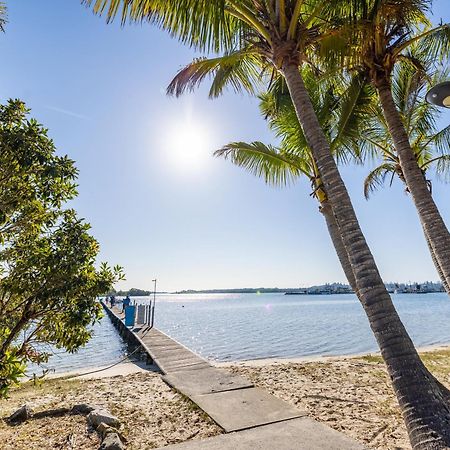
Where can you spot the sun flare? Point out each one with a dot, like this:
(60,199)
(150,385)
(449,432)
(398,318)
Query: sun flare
(188,145)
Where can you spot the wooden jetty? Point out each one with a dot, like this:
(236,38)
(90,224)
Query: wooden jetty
(251,417)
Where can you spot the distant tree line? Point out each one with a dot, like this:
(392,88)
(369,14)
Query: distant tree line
(331,288)
(133,292)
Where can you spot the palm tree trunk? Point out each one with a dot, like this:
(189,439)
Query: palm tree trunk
(335,234)
(432,222)
(426,413)
(437,265)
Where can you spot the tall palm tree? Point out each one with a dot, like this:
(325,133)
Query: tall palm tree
(279,36)
(431,146)
(279,166)
(380,34)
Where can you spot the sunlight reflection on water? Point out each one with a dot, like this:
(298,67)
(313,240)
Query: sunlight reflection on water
(229,327)
(226,327)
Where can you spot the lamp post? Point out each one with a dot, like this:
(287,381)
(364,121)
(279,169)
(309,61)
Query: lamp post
(439,95)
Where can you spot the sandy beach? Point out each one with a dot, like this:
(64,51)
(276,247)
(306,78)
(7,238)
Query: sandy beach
(350,394)
(152,414)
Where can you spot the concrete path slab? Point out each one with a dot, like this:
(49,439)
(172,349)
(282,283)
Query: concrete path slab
(245,408)
(296,434)
(206,381)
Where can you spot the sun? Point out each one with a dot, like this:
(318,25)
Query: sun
(188,145)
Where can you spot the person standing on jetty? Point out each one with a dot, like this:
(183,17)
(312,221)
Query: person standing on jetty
(126,302)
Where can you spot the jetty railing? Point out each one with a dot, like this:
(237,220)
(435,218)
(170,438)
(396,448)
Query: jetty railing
(145,314)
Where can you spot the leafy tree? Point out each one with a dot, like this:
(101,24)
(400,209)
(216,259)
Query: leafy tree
(257,38)
(34,182)
(48,279)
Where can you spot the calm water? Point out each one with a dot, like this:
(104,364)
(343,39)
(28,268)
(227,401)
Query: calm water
(104,349)
(228,327)
(250,326)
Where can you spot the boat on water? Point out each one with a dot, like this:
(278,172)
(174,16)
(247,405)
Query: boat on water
(296,293)
(311,293)
(320,292)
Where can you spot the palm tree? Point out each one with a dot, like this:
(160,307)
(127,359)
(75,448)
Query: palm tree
(431,146)
(381,33)
(259,37)
(279,166)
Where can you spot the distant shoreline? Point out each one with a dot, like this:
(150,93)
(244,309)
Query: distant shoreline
(290,291)
(426,287)
(132,366)
(261,362)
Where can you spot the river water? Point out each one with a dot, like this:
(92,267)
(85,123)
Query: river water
(232,327)
(105,348)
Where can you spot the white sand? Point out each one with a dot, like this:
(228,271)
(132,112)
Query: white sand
(152,414)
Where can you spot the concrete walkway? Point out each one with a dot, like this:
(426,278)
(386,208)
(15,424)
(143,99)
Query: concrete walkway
(297,434)
(253,418)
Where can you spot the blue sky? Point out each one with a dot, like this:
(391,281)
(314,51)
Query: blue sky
(192,222)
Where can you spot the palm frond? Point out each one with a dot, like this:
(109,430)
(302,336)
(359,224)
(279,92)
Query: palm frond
(335,49)
(276,99)
(440,140)
(342,106)
(3,16)
(242,70)
(408,81)
(434,42)
(442,168)
(377,178)
(203,24)
(277,107)
(352,119)
(265,161)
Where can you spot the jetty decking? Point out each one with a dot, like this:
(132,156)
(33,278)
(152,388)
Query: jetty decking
(251,417)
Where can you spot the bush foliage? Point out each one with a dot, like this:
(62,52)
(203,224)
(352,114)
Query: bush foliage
(49,281)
